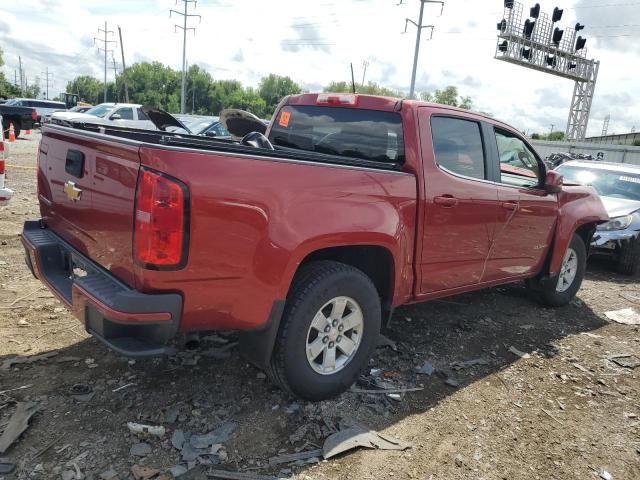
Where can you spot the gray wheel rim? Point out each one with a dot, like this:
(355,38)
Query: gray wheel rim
(334,335)
(568,271)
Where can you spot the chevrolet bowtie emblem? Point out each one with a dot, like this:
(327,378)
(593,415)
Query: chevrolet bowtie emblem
(73,193)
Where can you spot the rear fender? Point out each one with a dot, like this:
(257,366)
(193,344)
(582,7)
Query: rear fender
(577,206)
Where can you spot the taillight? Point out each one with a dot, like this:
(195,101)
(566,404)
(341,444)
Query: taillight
(161,226)
(337,99)
(34,115)
(1,161)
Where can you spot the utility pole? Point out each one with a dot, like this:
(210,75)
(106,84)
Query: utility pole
(124,67)
(185,17)
(21,75)
(551,130)
(419,26)
(365,64)
(115,79)
(46,79)
(105,48)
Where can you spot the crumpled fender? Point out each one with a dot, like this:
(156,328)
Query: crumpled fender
(577,206)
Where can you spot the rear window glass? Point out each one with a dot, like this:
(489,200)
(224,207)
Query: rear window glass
(345,132)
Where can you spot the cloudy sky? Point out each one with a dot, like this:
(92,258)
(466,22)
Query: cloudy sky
(314,42)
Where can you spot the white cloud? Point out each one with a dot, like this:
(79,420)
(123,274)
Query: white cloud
(314,42)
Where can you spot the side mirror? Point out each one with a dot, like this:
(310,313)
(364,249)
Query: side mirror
(211,133)
(116,116)
(553,182)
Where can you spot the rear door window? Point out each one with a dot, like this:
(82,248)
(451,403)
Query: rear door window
(125,113)
(345,132)
(458,147)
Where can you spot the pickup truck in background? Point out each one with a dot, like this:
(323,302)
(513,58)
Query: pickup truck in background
(23,118)
(304,240)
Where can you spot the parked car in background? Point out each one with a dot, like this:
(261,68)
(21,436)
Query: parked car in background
(76,109)
(304,239)
(22,118)
(5,193)
(42,107)
(210,127)
(119,114)
(619,188)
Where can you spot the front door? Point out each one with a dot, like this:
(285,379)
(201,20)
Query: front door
(527,213)
(460,204)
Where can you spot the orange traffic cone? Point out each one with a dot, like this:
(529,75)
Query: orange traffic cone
(12,133)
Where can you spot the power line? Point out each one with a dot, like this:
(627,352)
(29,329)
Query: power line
(184,29)
(105,48)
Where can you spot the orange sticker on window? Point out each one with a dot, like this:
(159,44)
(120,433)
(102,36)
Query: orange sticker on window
(284,119)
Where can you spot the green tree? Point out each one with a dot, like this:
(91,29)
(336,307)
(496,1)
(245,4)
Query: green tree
(7,89)
(273,88)
(636,142)
(370,88)
(448,96)
(536,136)
(556,136)
(88,89)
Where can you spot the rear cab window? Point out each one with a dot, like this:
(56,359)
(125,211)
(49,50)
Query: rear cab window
(370,135)
(458,148)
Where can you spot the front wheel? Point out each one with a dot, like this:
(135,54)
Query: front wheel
(329,330)
(562,289)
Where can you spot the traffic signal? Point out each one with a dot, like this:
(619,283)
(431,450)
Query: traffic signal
(502,26)
(572,65)
(508,3)
(528,28)
(525,53)
(557,14)
(580,43)
(535,11)
(579,27)
(502,46)
(551,61)
(557,36)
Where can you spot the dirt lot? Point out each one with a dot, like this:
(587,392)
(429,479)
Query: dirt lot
(565,411)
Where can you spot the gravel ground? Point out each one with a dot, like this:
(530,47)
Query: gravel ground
(564,410)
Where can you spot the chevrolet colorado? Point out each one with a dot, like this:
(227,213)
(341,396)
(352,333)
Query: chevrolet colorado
(304,239)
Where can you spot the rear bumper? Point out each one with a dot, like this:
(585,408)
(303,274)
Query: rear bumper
(130,322)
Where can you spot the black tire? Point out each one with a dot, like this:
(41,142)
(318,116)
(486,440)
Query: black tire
(629,259)
(547,291)
(17,128)
(315,285)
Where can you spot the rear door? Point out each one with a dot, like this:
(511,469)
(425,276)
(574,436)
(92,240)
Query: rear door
(460,209)
(527,213)
(86,184)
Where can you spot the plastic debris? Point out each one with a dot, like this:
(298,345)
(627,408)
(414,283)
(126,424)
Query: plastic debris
(518,353)
(627,316)
(294,457)
(140,429)
(355,437)
(18,423)
(82,392)
(469,363)
(109,474)
(219,435)
(237,475)
(426,369)
(6,466)
(140,449)
(604,475)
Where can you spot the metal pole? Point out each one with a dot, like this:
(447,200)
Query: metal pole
(184,59)
(105,62)
(417,51)
(21,76)
(124,68)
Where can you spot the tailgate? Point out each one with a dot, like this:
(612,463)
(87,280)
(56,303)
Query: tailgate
(86,189)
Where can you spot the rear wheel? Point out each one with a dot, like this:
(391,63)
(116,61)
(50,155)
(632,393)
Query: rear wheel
(17,128)
(629,259)
(329,330)
(563,288)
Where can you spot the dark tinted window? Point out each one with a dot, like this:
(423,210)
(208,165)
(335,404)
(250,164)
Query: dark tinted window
(518,165)
(142,115)
(346,132)
(458,146)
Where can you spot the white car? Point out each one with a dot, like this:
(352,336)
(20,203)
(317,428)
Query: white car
(118,114)
(5,193)
(42,107)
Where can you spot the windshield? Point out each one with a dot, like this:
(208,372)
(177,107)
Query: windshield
(12,102)
(346,132)
(100,110)
(607,183)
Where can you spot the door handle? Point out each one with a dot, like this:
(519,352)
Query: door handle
(446,201)
(510,205)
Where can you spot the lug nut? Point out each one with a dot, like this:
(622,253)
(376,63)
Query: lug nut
(325,339)
(331,345)
(334,323)
(340,328)
(339,338)
(327,329)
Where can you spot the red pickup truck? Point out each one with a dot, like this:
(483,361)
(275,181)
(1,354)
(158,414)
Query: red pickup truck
(304,239)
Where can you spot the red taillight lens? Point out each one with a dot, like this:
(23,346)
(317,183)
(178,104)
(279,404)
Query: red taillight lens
(34,115)
(1,161)
(337,99)
(161,221)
